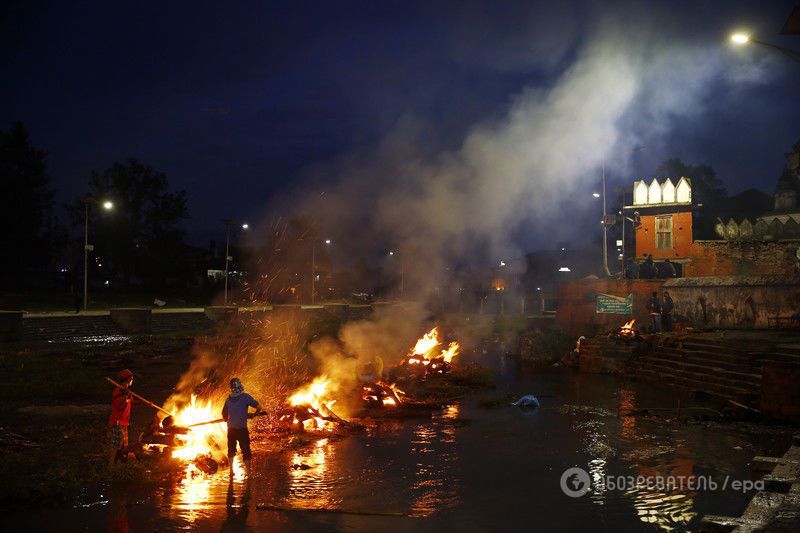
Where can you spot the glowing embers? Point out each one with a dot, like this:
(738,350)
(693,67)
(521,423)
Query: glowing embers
(428,356)
(380,394)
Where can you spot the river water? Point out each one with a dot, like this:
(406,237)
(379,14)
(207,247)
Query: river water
(465,469)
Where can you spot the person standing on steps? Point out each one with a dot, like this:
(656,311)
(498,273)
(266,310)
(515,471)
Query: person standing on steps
(654,307)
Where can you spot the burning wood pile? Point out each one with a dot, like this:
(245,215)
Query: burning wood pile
(427,359)
(626,332)
(380,394)
(310,409)
(190,436)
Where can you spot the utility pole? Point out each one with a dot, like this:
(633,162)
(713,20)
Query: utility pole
(85,253)
(228,223)
(313,270)
(107,205)
(605,229)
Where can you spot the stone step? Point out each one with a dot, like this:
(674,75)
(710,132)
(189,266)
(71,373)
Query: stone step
(711,377)
(674,379)
(711,371)
(749,366)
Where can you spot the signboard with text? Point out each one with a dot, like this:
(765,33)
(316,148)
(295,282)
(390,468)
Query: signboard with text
(616,305)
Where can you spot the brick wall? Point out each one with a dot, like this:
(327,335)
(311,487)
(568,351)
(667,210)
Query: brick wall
(576,314)
(746,258)
(681,237)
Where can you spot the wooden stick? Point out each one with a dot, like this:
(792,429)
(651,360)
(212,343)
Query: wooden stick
(220,420)
(743,406)
(145,400)
(267,507)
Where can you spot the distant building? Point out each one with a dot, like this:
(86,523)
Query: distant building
(664,222)
(746,234)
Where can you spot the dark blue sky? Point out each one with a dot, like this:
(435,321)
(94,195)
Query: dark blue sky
(233,100)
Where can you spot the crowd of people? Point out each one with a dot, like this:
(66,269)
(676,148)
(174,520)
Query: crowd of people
(649,269)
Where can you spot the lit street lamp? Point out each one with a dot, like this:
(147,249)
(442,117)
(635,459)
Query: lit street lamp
(314,267)
(108,205)
(402,273)
(740,38)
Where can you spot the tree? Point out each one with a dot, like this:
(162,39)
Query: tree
(141,241)
(707,188)
(26,213)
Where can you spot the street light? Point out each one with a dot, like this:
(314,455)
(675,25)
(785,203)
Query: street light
(402,271)
(741,38)
(108,205)
(314,267)
(228,258)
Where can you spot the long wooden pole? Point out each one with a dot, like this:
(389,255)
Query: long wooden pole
(221,420)
(145,400)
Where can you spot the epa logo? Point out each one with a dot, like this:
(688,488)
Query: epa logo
(575,482)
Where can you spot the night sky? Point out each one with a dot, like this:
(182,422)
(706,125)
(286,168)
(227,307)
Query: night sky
(234,101)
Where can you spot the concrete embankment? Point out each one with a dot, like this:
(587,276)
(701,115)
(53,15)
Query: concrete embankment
(757,368)
(774,509)
(47,327)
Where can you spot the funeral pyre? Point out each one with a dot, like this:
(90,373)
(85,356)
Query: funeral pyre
(310,408)
(428,358)
(192,436)
(380,394)
(626,332)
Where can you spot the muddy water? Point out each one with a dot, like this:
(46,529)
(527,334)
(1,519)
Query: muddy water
(464,469)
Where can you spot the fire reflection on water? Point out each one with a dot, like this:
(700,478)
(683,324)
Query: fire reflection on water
(436,484)
(194,492)
(668,509)
(309,483)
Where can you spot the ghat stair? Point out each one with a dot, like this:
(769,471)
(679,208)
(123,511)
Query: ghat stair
(730,369)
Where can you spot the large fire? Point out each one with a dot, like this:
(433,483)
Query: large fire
(201,439)
(311,404)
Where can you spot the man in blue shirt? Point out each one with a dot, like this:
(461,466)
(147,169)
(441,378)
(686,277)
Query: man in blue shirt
(235,414)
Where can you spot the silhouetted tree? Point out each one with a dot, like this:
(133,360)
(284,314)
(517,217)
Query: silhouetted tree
(26,212)
(141,239)
(707,188)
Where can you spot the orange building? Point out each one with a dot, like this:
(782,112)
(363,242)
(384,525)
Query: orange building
(663,214)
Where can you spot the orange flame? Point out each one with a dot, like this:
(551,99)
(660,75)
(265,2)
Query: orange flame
(314,395)
(200,440)
(426,346)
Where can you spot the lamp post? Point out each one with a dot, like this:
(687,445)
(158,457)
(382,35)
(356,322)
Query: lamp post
(108,205)
(228,223)
(602,195)
(402,271)
(314,268)
(744,38)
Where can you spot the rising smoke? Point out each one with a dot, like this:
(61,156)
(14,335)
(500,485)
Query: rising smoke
(632,77)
